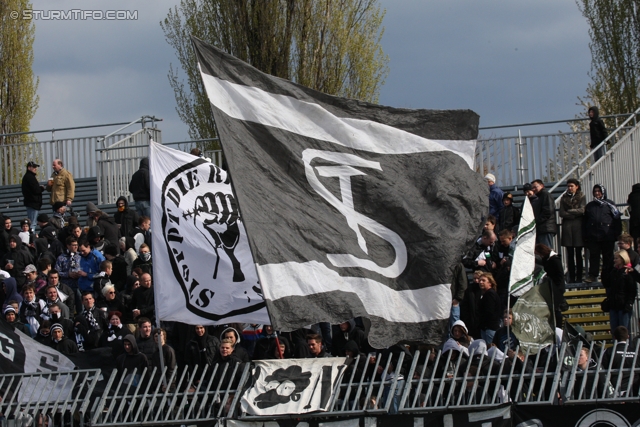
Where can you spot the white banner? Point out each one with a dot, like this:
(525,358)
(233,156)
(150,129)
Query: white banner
(524,259)
(292,386)
(203,268)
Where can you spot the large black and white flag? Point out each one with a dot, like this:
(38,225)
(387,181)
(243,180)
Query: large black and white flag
(20,353)
(292,386)
(352,209)
(203,269)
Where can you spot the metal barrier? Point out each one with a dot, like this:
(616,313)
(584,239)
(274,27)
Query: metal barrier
(53,398)
(371,385)
(77,154)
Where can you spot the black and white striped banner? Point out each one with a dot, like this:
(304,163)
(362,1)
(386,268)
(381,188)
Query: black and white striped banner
(352,209)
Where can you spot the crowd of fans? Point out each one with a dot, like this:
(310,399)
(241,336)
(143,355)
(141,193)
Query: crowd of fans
(77,288)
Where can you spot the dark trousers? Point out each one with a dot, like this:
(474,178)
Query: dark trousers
(597,249)
(575,264)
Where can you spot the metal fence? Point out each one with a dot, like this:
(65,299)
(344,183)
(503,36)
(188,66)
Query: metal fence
(53,398)
(418,383)
(77,154)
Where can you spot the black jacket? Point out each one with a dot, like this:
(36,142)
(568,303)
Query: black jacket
(490,311)
(143,300)
(634,204)
(32,191)
(621,289)
(127,219)
(597,129)
(600,223)
(546,219)
(109,228)
(139,185)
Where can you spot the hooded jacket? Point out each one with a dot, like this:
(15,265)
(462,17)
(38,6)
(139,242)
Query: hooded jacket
(601,219)
(109,229)
(340,339)
(139,185)
(597,129)
(132,360)
(128,218)
(238,350)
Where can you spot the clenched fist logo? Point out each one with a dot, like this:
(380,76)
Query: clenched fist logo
(216,217)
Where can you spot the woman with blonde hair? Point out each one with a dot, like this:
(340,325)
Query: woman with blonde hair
(489,307)
(621,290)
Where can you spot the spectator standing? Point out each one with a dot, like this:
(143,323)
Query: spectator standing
(597,131)
(546,219)
(142,301)
(61,184)
(127,219)
(634,217)
(621,290)
(552,265)
(495,196)
(510,215)
(572,206)
(601,226)
(140,189)
(32,193)
(489,307)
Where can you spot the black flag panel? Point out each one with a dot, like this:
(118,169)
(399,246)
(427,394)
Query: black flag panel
(351,209)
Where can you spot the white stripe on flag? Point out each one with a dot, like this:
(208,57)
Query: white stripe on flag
(311,120)
(309,278)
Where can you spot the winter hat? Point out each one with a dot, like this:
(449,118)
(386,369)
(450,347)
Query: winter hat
(58,205)
(9,309)
(527,187)
(490,177)
(507,196)
(91,208)
(25,221)
(56,326)
(43,218)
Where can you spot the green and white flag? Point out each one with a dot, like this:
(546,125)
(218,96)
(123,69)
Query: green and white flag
(524,260)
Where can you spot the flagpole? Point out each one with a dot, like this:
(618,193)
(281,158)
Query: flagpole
(155,294)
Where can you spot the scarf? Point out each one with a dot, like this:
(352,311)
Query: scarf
(88,314)
(112,333)
(603,201)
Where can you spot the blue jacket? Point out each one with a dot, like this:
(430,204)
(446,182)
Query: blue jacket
(495,200)
(91,265)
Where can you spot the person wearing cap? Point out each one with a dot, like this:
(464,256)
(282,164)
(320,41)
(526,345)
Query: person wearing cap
(32,192)
(61,184)
(31,274)
(27,236)
(60,342)
(59,210)
(510,215)
(495,196)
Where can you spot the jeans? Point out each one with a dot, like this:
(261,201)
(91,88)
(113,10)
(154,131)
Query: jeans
(32,214)
(600,152)
(487,336)
(454,316)
(143,207)
(619,318)
(545,239)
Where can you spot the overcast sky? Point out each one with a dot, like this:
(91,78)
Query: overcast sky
(509,61)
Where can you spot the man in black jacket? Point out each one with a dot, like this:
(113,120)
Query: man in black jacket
(140,189)
(546,227)
(598,132)
(32,193)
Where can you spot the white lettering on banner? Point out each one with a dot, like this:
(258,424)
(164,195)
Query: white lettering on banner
(6,348)
(344,171)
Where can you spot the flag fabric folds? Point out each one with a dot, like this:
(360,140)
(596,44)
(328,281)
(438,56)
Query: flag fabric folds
(203,269)
(293,386)
(524,258)
(533,316)
(22,354)
(352,209)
